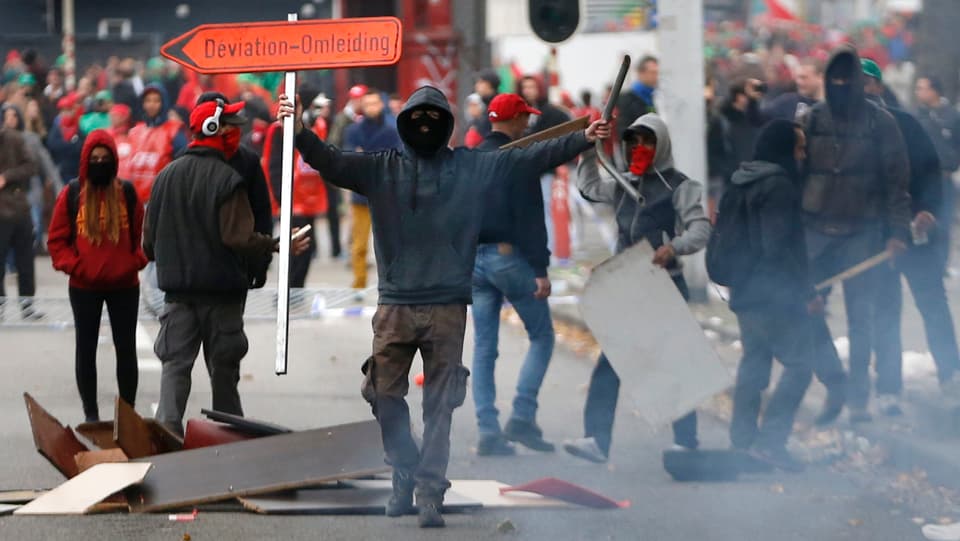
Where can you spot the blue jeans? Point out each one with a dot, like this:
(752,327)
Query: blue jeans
(497,277)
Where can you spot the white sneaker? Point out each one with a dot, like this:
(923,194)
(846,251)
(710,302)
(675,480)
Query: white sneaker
(889,405)
(585,448)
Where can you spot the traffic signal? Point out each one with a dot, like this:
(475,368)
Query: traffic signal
(554,20)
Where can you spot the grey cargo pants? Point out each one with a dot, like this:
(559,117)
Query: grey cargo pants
(184,328)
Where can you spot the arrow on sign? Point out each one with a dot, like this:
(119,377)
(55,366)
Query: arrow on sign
(288,46)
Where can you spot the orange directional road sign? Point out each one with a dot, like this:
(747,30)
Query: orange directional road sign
(288,46)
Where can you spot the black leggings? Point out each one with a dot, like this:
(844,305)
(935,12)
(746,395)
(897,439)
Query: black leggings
(123,307)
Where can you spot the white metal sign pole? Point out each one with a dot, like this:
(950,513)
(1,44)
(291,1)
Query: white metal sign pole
(286,207)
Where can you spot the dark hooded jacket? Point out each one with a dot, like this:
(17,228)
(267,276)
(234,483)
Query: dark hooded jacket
(926,186)
(550,115)
(857,166)
(780,277)
(427,206)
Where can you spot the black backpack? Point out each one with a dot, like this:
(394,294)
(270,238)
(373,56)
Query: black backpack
(73,208)
(730,257)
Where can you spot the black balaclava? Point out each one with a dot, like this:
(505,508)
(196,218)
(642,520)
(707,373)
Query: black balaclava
(844,99)
(775,144)
(427,135)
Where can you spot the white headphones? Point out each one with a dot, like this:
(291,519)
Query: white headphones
(212,123)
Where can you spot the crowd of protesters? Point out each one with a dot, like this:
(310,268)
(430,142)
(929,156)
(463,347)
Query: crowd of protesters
(798,203)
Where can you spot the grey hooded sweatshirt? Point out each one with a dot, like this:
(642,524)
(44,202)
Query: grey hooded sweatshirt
(426,207)
(673,202)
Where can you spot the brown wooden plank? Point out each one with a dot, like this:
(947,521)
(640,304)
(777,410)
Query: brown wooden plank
(165,440)
(99,434)
(56,443)
(131,433)
(559,130)
(260,466)
(89,459)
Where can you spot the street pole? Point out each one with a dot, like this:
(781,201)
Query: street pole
(682,107)
(286,207)
(69,46)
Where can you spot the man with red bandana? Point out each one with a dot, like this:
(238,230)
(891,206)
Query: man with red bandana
(672,219)
(200,232)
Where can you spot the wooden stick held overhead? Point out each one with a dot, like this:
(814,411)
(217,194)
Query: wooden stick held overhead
(570,126)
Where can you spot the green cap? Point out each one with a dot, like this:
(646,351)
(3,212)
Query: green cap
(103,95)
(248,78)
(155,64)
(871,69)
(61,61)
(27,79)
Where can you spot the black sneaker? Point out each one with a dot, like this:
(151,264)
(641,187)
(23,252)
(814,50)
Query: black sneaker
(494,445)
(430,516)
(779,458)
(831,408)
(401,502)
(527,434)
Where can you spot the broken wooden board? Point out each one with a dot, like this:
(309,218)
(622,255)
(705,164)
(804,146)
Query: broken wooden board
(89,459)
(81,494)
(349,498)
(56,443)
(260,466)
(489,495)
(20,496)
(202,433)
(651,338)
(131,433)
(245,424)
(99,433)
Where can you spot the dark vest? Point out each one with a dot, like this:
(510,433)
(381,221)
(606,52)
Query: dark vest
(655,217)
(192,260)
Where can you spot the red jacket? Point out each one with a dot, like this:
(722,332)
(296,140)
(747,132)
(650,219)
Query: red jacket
(108,265)
(151,149)
(309,191)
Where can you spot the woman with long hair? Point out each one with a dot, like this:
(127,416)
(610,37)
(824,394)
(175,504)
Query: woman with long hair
(95,238)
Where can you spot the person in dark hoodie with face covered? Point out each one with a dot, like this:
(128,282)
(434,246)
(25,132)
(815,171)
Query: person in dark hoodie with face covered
(773,302)
(673,221)
(855,205)
(922,265)
(95,239)
(424,203)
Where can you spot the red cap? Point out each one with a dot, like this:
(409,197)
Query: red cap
(69,101)
(230,115)
(358,91)
(13,55)
(507,106)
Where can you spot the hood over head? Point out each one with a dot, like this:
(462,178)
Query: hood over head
(663,157)
(756,170)
(164,99)
(15,109)
(844,63)
(96,138)
(426,143)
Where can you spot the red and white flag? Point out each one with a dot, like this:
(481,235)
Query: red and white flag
(784,9)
